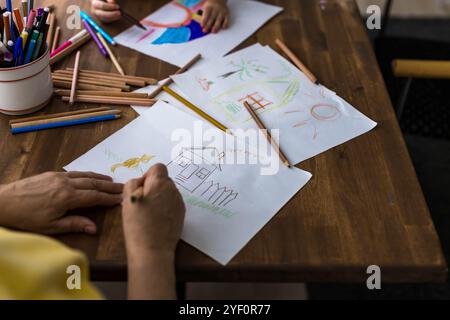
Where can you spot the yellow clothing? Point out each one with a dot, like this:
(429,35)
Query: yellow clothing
(35,267)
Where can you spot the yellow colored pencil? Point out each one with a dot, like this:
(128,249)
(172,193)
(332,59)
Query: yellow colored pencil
(198,111)
(111,54)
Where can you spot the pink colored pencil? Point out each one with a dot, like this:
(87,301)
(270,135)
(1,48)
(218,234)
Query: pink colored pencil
(30,20)
(69,42)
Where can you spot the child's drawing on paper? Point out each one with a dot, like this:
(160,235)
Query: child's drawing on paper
(246,69)
(263,95)
(184,24)
(181,29)
(194,173)
(204,83)
(133,163)
(322,112)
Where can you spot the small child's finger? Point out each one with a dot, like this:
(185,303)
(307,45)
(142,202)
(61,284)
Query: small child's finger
(226,22)
(210,22)
(108,16)
(218,23)
(206,17)
(105,6)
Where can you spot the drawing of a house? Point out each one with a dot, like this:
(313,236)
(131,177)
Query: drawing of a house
(190,170)
(218,195)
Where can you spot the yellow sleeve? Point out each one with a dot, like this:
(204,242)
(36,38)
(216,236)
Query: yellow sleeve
(34,267)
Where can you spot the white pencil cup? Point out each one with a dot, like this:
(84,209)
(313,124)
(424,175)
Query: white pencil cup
(26,89)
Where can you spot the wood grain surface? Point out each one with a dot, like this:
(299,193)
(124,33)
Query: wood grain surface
(363,206)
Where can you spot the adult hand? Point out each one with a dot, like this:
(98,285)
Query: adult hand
(216,16)
(38,204)
(154,224)
(106,11)
(152,229)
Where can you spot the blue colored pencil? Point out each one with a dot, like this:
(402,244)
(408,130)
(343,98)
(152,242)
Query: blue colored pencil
(64,124)
(18,52)
(11,21)
(108,38)
(8,6)
(30,51)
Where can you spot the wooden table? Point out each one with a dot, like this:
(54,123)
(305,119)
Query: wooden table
(364,205)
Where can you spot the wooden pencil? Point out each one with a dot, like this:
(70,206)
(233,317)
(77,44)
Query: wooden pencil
(65,84)
(120,86)
(55,43)
(64,92)
(90,80)
(133,82)
(114,100)
(198,111)
(149,81)
(167,82)
(6,25)
(74,46)
(65,118)
(111,54)
(120,98)
(296,61)
(58,115)
(267,134)
(73,90)
(51,29)
(25,8)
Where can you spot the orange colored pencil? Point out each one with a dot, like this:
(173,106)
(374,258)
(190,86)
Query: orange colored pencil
(58,115)
(7,26)
(76,68)
(267,134)
(288,52)
(19,20)
(55,42)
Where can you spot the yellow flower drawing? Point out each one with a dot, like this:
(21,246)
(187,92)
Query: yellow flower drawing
(132,163)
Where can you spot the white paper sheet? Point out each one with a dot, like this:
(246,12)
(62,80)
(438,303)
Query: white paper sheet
(165,97)
(184,40)
(311,118)
(227,204)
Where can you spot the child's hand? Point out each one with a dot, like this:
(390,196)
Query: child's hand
(215,15)
(106,11)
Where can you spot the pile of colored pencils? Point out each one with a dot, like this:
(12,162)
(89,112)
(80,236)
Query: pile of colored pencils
(94,31)
(23,34)
(64,119)
(101,87)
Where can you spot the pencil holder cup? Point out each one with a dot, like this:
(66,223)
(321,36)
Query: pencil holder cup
(27,88)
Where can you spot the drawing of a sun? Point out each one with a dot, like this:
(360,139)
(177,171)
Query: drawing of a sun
(318,113)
